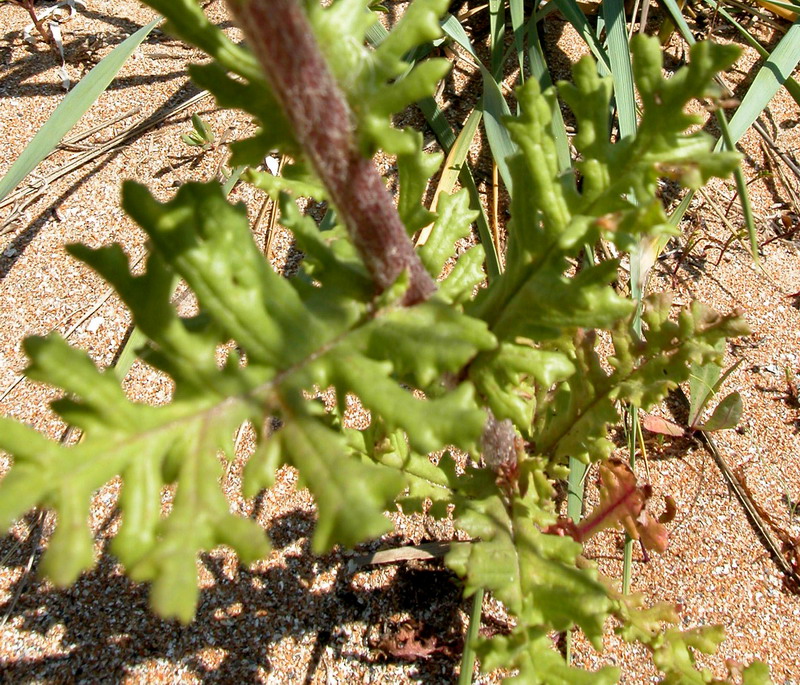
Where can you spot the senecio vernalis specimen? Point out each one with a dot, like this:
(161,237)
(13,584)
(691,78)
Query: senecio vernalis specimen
(510,368)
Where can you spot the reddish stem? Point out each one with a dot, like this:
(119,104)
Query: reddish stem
(41,27)
(282,39)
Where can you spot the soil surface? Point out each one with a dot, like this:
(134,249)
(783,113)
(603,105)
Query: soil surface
(296,617)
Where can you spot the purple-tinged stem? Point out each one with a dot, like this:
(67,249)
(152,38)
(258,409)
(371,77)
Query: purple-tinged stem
(281,37)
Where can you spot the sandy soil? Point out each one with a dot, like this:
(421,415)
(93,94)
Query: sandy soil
(295,617)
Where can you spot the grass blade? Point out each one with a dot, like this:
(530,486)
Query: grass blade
(455,31)
(447,139)
(770,77)
(518,26)
(727,140)
(680,22)
(468,655)
(622,76)
(497,31)
(495,107)
(619,56)
(790,84)
(72,108)
(453,164)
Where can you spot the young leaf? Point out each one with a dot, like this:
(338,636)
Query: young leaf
(727,414)
(662,426)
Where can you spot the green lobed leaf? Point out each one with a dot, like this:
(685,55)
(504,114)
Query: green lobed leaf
(327,468)
(453,221)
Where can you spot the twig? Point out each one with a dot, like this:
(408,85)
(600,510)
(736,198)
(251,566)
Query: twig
(791,575)
(786,159)
(35,535)
(119,140)
(269,236)
(791,545)
(71,330)
(72,140)
(16,211)
(424,552)
(773,159)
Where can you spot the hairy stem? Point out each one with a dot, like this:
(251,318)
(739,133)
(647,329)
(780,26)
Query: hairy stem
(282,39)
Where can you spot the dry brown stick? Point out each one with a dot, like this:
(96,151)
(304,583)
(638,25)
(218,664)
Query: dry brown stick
(773,158)
(750,509)
(35,535)
(269,236)
(93,309)
(782,535)
(16,211)
(70,141)
(120,139)
(424,552)
(786,159)
(281,37)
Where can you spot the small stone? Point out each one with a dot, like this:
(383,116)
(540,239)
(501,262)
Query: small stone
(95,324)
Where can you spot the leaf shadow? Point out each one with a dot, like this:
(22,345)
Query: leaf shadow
(105,631)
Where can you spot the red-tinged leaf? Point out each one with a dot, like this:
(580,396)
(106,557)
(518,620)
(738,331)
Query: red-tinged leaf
(651,533)
(622,502)
(657,424)
(726,415)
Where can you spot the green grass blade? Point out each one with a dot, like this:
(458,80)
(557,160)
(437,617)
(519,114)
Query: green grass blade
(575,16)
(680,22)
(575,488)
(495,107)
(518,26)
(497,32)
(770,77)
(447,139)
(136,340)
(627,561)
(456,168)
(790,84)
(438,123)
(72,108)
(619,56)
(455,31)
(468,655)
(741,184)
(788,6)
(495,110)
(727,140)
